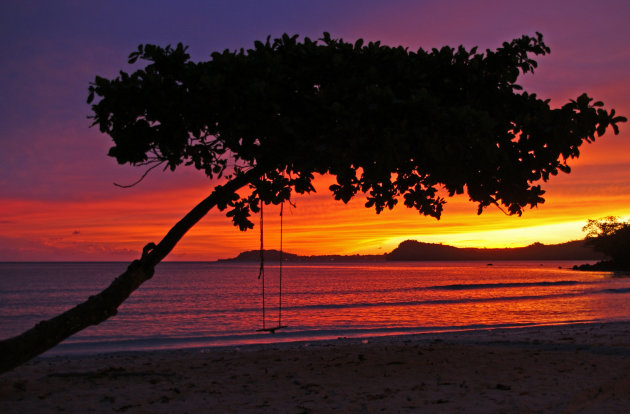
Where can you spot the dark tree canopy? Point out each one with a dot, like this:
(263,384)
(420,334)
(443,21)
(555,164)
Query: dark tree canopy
(388,122)
(385,121)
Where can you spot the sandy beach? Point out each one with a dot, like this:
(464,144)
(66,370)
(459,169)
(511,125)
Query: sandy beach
(581,368)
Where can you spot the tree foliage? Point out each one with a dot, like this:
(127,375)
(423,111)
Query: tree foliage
(385,121)
(394,124)
(611,236)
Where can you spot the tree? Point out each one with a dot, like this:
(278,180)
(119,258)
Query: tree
(387,122)
(611,236)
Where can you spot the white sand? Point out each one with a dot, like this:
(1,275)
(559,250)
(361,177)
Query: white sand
(563,369)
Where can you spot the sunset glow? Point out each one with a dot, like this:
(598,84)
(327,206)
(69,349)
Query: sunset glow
(57,201)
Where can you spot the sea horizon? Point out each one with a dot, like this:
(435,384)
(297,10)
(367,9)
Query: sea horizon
(222,261)
(199,304)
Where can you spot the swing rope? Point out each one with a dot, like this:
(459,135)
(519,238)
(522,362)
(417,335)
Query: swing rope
(261,273)
(261,270)
(280,277)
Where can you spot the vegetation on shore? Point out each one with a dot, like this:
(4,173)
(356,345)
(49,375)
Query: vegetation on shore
(610,236)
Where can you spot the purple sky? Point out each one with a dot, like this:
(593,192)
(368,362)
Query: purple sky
(51,50)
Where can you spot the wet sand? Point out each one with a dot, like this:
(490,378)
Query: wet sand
(583,368)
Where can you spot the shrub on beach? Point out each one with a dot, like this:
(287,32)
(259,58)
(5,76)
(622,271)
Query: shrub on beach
(611,236)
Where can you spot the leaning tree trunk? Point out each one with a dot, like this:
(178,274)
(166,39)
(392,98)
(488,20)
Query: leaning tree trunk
(46,334)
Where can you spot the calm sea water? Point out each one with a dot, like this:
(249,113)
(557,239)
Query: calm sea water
(212,304)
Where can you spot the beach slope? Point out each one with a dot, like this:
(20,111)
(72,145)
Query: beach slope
(580,368)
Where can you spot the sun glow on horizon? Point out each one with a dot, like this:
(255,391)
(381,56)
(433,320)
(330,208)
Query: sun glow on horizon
(57,202)
(514,237)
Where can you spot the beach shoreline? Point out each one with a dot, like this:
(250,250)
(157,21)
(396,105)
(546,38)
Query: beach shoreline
(575,368)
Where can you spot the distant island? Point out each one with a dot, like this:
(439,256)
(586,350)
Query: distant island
(274,256)
(412,250)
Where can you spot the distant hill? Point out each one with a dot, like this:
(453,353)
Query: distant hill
(415,250)
(412,250)
(274,256)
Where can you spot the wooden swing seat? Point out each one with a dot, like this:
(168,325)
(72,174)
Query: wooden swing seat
(271,330)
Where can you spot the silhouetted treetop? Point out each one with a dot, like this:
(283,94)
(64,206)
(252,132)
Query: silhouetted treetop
(385,121)
(611,236)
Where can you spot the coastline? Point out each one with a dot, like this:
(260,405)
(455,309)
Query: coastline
(565,368)
(604,266)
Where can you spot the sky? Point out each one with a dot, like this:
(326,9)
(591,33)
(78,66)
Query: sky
(57,198)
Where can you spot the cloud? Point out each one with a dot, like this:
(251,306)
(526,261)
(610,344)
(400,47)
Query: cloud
(15,249)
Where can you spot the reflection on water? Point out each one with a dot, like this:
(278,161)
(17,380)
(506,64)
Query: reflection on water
(189,304)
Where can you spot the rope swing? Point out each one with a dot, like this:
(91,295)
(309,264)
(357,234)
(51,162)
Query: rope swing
(261,275)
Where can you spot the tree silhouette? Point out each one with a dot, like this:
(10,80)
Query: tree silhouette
(386,122)
(611,236)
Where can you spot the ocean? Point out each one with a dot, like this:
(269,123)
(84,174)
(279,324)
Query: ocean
(220,304)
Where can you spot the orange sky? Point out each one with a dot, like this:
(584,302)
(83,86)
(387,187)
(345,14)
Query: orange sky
(56,197)
(117,228)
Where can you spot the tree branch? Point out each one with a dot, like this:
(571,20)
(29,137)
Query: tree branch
(98,308)
(141,178)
